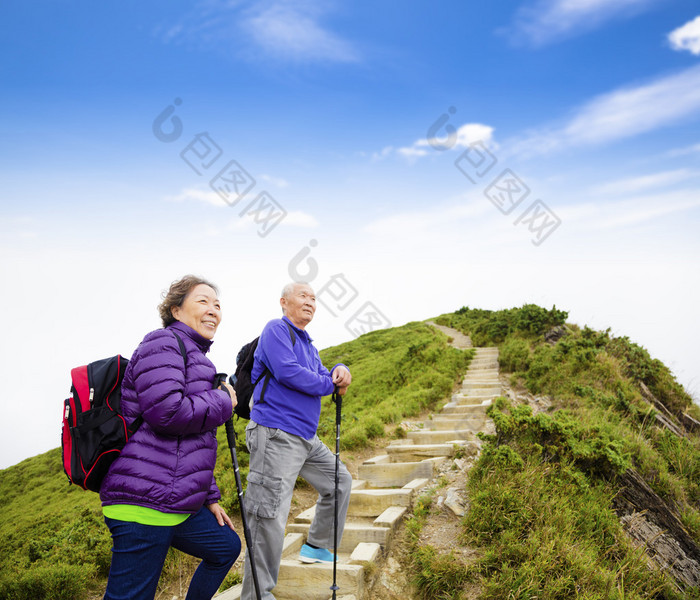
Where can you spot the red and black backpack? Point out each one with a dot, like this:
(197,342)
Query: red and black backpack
(94,430)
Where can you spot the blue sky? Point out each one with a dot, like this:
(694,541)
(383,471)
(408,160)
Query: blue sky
(388,136)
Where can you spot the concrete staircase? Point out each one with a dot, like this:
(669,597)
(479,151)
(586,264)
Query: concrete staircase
(385,490)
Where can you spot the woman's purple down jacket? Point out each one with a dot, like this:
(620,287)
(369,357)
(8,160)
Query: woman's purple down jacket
(168,464)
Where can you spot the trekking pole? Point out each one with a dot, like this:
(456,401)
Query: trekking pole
(231,437)
(338,399)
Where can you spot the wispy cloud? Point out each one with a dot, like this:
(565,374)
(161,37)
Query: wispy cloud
(623,113)
(276,181)
(645,182)
(293,31)
(294,218)
(694,149)
(545,21)
(198,195)
(278,30)
(464,136)
(687,37)
(434,220)
(631,211)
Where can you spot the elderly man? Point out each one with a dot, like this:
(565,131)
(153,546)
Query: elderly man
(283,444)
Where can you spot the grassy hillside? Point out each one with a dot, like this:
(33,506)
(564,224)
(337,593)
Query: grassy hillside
(547,496)
(549,488)
(53,541)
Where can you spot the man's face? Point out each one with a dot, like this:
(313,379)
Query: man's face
(300,305)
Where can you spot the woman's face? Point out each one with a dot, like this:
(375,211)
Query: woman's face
(200,310)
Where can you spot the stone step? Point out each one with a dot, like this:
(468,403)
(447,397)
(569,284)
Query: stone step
(483,363)
(481,376)
(477,395)
(441,437)
(473,398)
(378,503)
(292,544)
(486,350)
(465,409)
(468,386)
(469,399)
(387,474)
(409,452)
(456,422)
(299,581)
(372,503)
(361,530)
(365,553)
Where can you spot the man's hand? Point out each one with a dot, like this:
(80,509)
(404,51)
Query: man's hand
(342,379)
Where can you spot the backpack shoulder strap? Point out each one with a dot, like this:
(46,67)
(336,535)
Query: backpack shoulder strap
(291,333)
(267,373)
(137,422)
(181,344)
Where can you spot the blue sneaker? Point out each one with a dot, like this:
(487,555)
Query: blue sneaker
(315,555)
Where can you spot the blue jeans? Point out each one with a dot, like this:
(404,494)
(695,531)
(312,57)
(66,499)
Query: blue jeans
(139,551)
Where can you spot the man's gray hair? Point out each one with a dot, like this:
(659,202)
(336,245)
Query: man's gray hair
(288,289)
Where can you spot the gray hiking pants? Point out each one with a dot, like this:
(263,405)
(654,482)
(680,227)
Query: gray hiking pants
(277,458)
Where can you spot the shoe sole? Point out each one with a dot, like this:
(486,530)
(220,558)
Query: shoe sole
(310,561)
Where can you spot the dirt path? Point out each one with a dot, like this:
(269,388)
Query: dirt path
(459,340)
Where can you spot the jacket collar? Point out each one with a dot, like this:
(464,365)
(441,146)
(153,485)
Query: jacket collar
(300,332)
(203,343)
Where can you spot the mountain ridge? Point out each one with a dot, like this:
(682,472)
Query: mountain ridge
(577,373)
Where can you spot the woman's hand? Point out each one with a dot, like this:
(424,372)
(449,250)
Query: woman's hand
(231,392)
(221,517)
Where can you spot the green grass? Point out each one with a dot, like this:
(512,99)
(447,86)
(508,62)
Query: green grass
(396,373)
(541,492)
(53,540)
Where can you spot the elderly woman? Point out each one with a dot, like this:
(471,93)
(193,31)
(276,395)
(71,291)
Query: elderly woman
(161,491)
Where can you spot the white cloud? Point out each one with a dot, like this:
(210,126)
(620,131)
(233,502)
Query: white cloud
(695,148)
(198,195)
(292,31)
(412,152)
(463,137)
(386,151)
(687,37)
(276,181)
(623,113)
(435,219)
(298,218)
(282,30)
(632,210)
(549,20)
(644,182)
